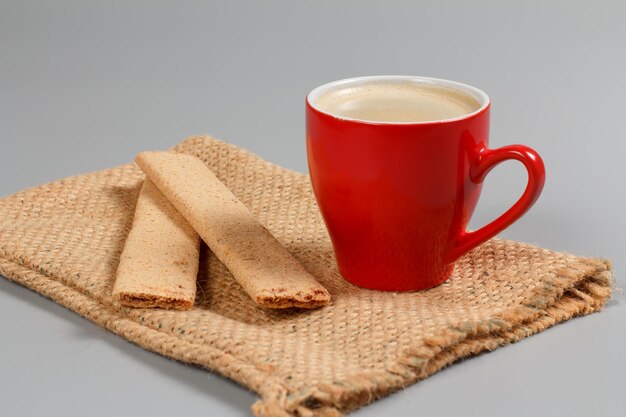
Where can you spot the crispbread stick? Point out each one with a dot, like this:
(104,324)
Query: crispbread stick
(265,269)
(159,264)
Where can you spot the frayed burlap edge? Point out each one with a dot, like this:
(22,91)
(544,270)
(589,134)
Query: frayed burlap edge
(575,291)
(579,289)
(113,318)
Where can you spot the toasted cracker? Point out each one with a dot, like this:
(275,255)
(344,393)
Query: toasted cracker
(261,264)
(159,264)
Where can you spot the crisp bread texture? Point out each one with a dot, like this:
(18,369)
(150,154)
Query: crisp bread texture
(265,269)
(159,264)
(64,240)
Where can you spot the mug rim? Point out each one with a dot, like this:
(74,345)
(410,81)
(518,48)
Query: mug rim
(473,92)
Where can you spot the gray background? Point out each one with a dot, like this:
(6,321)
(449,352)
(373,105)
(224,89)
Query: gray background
(86,85)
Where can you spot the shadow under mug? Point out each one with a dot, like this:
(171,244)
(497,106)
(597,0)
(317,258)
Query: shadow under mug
(396,197)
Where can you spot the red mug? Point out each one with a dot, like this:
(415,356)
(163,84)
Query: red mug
(396,197)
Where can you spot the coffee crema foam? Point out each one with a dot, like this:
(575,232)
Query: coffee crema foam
(400,102)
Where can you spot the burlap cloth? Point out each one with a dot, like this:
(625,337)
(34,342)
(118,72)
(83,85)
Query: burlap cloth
(64,240)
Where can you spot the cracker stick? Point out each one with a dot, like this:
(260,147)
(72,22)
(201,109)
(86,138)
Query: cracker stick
(263,267)
(159,263)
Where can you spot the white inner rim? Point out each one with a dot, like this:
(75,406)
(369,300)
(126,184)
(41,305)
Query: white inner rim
(473,92)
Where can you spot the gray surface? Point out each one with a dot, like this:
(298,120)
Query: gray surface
(86,86)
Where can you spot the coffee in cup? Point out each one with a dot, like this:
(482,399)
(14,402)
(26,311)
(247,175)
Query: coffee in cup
(397,101)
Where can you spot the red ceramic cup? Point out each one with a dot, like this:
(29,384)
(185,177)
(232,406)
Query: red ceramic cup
(397,197)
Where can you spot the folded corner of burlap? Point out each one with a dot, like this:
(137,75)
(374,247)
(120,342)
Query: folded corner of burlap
(579,288)
(64,240)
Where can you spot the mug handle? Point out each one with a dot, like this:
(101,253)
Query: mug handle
(484,161)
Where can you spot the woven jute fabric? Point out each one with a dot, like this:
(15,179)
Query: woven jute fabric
(64,241)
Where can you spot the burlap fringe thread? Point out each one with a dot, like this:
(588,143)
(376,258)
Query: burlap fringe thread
(577,289)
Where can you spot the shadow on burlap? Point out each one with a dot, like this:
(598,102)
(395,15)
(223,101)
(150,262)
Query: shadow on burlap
(64,240)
